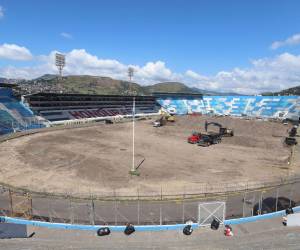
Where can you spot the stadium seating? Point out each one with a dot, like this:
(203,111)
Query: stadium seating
(6,122)
(257,106)
(62,107)
(14,116)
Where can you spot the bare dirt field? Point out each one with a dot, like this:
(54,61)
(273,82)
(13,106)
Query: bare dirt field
(96,160)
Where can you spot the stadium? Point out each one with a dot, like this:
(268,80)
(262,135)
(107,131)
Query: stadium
(94,163)
(64,124)
(58,145)
(149,125)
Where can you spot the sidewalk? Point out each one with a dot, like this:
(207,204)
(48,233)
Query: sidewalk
(268,234)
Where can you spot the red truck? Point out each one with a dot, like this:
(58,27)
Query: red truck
(194,138)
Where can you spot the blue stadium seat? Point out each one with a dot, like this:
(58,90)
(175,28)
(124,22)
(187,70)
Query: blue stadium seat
(260,106)
(13,114)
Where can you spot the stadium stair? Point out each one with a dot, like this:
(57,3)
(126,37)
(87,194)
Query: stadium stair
(14,116)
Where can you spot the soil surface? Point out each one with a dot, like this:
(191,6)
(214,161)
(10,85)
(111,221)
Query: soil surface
(97,160)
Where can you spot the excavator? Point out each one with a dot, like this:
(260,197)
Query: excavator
(167,116)
(164,118)
(223,131)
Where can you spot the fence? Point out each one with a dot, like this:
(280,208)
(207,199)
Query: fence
(158,209)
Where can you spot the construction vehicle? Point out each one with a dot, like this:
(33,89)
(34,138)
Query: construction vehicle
(290,141)
(272,204)
(209,139)
(222,130)
(194,138)
(293,131)
(159,122)
(167,115)
(164,118)
(170,118)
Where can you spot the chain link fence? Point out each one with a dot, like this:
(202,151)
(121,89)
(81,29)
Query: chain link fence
(160,208)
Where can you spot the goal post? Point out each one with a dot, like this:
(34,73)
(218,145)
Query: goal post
(208,211)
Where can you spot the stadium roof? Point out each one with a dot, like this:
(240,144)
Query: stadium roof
(84,95)
(8,85)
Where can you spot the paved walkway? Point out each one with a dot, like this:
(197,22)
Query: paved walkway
(269,234)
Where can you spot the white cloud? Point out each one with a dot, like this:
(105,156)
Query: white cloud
(66,35)
(154,72)
(267,74)
(264,74)
(14,52)
(293,40)
(1,12)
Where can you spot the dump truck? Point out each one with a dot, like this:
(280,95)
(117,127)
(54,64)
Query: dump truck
(290,141)
(209,139)
(293,131)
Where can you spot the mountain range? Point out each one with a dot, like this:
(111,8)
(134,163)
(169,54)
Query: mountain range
(86,84)
(289,91)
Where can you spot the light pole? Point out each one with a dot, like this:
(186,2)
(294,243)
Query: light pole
(133,170)
(60,62)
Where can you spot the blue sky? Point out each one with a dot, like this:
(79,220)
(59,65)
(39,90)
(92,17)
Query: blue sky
(163,40)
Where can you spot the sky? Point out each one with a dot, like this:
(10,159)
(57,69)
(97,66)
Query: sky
(247,47)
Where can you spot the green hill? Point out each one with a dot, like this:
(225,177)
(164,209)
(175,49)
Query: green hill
(99,85)
(85,84)
(290,91)
(178,87)
(169,87)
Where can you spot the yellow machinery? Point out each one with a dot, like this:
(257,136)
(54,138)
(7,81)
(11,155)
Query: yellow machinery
(164,116)
(169,117)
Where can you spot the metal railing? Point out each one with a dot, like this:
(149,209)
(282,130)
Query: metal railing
(160,209)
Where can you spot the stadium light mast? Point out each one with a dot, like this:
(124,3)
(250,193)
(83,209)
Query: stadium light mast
(133,170)
(60,62)
(130,73)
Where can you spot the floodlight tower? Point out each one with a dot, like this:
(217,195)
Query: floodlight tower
(130,73)
(133,170)
(60,62)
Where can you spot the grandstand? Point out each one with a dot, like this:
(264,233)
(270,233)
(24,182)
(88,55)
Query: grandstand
(181,103)
(57,163)
(14,116)
(61,107)
(254,106)
(54,107)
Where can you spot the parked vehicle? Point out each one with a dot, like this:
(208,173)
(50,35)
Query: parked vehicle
(269,205)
